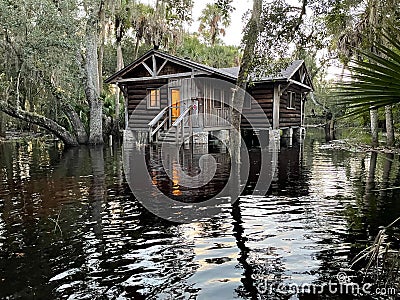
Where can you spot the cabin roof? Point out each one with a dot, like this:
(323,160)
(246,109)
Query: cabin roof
(228,73)
(186,62)
(282,75)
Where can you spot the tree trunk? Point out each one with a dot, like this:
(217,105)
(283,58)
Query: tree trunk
(2,125)
(249,40)
(92,88)
(53,127)
(389,126)
(374,126)
(102,36)
(137,48)
(120,65)
(77,124)
(330,130)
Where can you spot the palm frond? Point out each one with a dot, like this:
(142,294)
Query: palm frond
(374,81)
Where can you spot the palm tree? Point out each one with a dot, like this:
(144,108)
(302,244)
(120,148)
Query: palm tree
(364,33)
(213,22)
(375,81)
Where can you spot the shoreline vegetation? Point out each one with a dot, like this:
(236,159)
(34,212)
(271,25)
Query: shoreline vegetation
(344,143)
(352,145)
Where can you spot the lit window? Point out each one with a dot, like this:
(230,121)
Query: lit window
(292,100)
(153,98)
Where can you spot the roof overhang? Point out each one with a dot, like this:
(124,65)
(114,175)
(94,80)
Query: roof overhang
(197,68)
(309,88)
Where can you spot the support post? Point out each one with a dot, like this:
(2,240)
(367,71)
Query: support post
(191,126)
(276,104)
(150,132)
(183,130)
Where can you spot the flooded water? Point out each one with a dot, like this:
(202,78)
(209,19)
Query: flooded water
(70,228)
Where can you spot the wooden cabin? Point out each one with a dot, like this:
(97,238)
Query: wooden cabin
(170,98)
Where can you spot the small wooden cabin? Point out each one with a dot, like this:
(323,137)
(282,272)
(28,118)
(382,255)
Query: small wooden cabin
(168,98)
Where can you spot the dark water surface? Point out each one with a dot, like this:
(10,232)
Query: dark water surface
(71,229)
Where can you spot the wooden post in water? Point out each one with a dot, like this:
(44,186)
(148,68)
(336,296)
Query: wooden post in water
(183,130)
(191,126)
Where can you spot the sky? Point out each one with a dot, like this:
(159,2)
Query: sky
(234,31)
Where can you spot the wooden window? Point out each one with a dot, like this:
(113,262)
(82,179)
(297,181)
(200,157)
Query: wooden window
(227,98)
(247,101)
(153,98)
(291,100)
(217,98)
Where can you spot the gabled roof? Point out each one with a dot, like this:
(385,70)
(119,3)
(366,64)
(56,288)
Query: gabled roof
(283,75)
(228,73)
(182,61)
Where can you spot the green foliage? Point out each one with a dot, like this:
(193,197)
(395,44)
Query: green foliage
(357,24)
(287,28)
(213,21)
(375,81)
(38,46)
(225,7)
(217,56)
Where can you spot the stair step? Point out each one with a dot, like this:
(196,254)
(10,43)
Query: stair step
(171,137)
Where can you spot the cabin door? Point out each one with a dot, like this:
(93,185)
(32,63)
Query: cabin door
(175,103)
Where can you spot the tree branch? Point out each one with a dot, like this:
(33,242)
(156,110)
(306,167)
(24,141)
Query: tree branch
(50,125)
(300,17)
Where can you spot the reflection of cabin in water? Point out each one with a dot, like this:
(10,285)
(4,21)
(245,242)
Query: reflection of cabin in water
(181,96)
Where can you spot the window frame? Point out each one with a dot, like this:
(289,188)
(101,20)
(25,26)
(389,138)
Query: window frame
(149,98)
(219,101)
(291,101)
(249,98)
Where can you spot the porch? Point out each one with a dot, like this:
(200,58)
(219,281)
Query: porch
(189,121)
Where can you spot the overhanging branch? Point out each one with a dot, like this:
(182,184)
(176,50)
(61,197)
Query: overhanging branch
(41,121)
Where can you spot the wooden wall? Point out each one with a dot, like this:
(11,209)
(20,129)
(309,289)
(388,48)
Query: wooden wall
(264,95)
(137,91)
(290,117)
(261,93)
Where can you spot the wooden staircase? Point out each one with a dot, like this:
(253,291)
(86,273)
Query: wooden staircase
(170,136)
(159,131)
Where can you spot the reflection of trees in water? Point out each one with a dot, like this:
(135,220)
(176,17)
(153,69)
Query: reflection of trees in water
(112,246)
(124,249)
(260,265)
(263,268)
(293,175)
(36,184)
(374,205)
(109,243)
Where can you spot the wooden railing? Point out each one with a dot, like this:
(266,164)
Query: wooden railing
(159,121)
(162,120)
(218,118)
(179,124)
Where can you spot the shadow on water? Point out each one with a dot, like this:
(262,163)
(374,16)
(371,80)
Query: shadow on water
(71,228)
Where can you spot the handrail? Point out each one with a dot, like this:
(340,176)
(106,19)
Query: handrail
(158,117)
(182,116)
(153,132)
